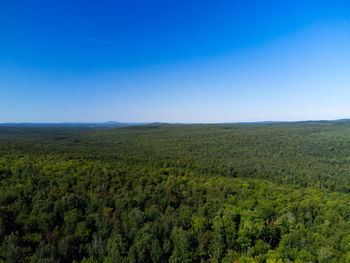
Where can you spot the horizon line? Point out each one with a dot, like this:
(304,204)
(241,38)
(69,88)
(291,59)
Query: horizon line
(166,122)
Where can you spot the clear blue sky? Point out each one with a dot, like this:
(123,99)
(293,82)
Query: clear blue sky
(174,61)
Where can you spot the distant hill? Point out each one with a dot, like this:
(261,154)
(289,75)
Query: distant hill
(116,124)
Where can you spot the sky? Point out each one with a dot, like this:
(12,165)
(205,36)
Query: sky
(174,61)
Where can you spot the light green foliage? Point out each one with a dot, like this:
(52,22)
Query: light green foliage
(176,193)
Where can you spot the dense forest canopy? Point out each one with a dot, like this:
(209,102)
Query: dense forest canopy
(176,193)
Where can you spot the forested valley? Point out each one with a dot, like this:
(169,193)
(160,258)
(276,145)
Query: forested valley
(269,192)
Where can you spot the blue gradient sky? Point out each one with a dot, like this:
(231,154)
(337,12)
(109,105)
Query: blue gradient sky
(174,61)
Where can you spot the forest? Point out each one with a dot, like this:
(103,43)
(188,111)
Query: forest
(259,192)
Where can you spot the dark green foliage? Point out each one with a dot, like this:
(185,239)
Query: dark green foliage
(176,193)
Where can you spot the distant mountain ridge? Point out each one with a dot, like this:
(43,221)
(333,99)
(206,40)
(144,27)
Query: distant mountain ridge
(116,124)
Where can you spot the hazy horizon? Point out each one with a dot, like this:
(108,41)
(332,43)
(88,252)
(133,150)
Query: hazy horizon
(167,122)
(183,62)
